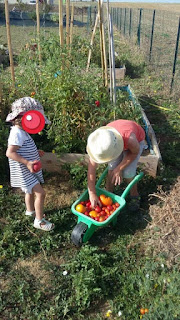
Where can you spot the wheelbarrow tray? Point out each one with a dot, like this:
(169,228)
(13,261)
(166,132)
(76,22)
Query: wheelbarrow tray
(88,220)
(86,225)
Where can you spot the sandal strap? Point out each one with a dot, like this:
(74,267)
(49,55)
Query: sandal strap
(44,224)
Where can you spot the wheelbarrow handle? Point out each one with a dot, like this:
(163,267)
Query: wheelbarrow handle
(128,188)
(131,184)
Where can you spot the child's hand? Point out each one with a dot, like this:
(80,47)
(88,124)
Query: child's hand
(41,153)
(30,165)
(94,200)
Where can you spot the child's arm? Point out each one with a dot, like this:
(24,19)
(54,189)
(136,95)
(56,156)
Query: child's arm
(12,154)
(91,184)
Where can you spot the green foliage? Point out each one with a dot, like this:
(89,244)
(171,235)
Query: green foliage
(69,95)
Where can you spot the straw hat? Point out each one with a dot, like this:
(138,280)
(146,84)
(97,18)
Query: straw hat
(104,144)
(22,105)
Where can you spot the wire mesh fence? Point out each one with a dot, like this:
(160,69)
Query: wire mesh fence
(156,32)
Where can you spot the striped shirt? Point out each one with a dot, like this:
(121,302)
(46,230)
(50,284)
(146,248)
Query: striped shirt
(20,176)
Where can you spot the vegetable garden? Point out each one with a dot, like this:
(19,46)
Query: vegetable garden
(129,271)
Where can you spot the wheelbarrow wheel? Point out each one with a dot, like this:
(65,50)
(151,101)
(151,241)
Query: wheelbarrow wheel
(78,233)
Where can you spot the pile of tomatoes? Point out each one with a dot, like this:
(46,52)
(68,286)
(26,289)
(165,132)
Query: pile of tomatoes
(98,213)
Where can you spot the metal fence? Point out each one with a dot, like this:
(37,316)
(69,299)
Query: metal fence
(157,34)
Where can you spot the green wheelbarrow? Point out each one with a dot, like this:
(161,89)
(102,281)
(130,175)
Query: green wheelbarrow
(86,226)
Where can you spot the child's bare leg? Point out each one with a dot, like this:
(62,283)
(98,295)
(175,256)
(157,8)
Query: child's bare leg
(39,201)
(134,190)
(109,184)
(29,201)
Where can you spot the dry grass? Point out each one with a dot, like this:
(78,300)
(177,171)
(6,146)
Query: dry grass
(163,233)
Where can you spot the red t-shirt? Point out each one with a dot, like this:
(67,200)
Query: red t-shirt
(125,128)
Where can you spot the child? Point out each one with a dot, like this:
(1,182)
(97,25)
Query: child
(119,144)
(23,154)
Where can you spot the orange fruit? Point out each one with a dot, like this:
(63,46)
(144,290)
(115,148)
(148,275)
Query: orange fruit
(80,208)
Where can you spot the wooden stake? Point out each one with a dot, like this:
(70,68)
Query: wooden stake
(92,42)
(110,64)
(61,22)
(104,47)
(71,26)
(38,29)
(112,61)
(9,42)
(101,37)
(67,21)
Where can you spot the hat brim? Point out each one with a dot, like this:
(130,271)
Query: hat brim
(117,151)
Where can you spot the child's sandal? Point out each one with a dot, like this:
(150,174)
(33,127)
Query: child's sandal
(43,224)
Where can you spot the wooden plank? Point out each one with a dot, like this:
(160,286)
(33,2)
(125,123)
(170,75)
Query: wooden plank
(53,163)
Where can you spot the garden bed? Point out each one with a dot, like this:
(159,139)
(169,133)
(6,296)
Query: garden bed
(149,160)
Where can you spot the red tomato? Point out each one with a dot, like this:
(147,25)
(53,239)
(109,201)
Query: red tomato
(97,218)
(101,219)
(105,200)
(97,103)
(102,213)
(117,204)
(37,166)
(98,209)
(107,211)
(88,204)
(109,208)
(86,213)
(83,203)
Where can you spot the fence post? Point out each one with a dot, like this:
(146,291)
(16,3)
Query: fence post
(124,21)
(120,18)
(175,57)
(152,34)
(130,22)
(139,28)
